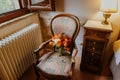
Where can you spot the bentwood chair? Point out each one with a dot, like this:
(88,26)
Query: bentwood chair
(52,66)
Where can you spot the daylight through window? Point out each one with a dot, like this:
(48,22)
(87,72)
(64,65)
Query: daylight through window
(8,5)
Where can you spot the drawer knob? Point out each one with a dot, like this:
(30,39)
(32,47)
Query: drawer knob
(94,42)
(93,48)
(92,53)
(95,34)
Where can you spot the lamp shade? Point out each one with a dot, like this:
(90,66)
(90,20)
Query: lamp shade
(108,6)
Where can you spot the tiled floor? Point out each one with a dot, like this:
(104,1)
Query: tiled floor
(77,74)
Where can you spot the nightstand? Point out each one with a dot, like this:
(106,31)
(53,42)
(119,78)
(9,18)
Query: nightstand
(96,37)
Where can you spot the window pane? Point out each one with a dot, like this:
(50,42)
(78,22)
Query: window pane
(8,5)
(36,1)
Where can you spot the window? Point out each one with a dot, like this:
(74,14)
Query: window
(10,9)
(46,5)
(8,5)
(36,1)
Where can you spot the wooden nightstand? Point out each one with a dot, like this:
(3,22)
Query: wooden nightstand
(96,37)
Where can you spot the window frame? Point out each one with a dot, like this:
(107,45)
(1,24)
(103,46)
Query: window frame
(42,5)
(15,13)
(26,7)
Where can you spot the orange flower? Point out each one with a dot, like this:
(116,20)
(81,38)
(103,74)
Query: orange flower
(51,43)
(60,40)
(59,44)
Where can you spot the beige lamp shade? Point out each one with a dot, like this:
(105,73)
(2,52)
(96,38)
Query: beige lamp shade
(108,6)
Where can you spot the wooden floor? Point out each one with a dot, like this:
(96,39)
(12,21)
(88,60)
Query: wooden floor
(77,75)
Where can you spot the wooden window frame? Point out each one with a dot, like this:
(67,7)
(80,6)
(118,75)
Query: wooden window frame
(27,7)
(44,6)
(15,13)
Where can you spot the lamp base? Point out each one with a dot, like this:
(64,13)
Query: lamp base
(105,22)
(106,16)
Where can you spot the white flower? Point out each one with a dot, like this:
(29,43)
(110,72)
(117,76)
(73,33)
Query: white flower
(56,41)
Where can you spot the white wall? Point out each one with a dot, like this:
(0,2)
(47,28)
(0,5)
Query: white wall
(81,8)
(84,9)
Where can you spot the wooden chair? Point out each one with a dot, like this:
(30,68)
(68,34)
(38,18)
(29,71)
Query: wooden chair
(51,65)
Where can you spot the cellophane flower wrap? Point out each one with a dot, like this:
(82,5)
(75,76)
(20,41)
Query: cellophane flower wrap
(61,42)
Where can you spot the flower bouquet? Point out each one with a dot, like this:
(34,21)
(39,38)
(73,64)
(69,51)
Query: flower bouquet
(60,42)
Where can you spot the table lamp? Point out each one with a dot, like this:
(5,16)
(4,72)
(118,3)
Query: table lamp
(108,7)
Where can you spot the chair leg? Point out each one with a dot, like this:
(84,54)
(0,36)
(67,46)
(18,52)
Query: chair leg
(36,73)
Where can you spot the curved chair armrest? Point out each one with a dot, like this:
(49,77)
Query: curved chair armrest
(75,50)
(42,46)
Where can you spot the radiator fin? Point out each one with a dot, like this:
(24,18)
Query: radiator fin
(17,52)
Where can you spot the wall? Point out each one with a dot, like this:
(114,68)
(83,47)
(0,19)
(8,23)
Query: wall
(81,8)
(16,24)
(12,26)
(84,9)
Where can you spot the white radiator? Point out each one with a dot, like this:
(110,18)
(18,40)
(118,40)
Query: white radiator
(16,52)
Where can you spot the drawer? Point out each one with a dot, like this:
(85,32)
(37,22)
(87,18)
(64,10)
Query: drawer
(97,34)
(92,58)
(94,45)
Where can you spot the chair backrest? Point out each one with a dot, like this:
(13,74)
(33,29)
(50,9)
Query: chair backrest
(65,23)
